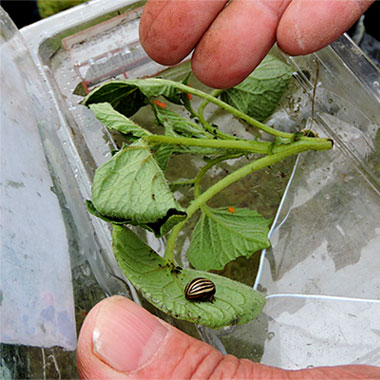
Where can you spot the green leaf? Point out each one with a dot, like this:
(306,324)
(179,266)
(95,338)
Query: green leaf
(131,187)
(115,120)
(221,236)
(128,96)
(163,285)
(178,126)
(259,94)
(162,155)
(153,88)
(124,98)
(92,210)
(185,127)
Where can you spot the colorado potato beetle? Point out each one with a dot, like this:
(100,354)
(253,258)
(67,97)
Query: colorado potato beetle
(200,289)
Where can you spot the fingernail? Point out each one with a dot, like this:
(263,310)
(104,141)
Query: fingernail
(125,336)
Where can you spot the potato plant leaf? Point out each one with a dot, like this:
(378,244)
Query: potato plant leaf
(112,119)
(163,286)
(259,94)
(221,236)
(128,96)
(162,154)
(93,211)
(123,98)
(178,126)
(131,187)
(170,119)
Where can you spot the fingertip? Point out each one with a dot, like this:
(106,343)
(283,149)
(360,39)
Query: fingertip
(169,30)
(224,76)
(307,26)
(303,30)
(118,337)
(158,33)
(236,42)
(87,363)
(121,340)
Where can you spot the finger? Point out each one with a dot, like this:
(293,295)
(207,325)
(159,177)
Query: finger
(121,340)
(237,41)
(170,29)
(309,25)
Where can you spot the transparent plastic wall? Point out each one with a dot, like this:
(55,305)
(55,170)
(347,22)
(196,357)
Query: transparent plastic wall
(320,274)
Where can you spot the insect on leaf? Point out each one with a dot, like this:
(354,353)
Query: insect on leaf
(234,303)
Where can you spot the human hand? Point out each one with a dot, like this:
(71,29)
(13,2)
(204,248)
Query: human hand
(230,41)
(121,340)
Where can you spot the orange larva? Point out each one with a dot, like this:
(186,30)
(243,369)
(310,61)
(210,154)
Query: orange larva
(159,104)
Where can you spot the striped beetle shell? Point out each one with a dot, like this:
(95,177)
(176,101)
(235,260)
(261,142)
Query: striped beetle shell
(200,289)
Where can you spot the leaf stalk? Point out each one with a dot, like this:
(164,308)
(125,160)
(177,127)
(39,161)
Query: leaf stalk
(240,115)
(302,145)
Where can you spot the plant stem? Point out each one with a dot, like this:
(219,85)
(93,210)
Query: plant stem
(207,125)
(259,147)
(162,114)
(225,106)
(204,104)
(190,108)
(251,146)
(253,166)
(295,148)
(203,171)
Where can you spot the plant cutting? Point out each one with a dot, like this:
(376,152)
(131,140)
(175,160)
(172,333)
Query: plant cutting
(131,189)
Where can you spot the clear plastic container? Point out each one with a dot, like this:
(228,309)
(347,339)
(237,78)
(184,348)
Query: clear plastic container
(320,275)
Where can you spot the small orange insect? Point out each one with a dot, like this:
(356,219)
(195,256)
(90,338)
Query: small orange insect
(189,96)
(231,209)
(159,104)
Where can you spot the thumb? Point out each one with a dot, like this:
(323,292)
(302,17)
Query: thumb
(121,340)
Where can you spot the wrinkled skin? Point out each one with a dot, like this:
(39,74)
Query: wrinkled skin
(230,41)
(121,340)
